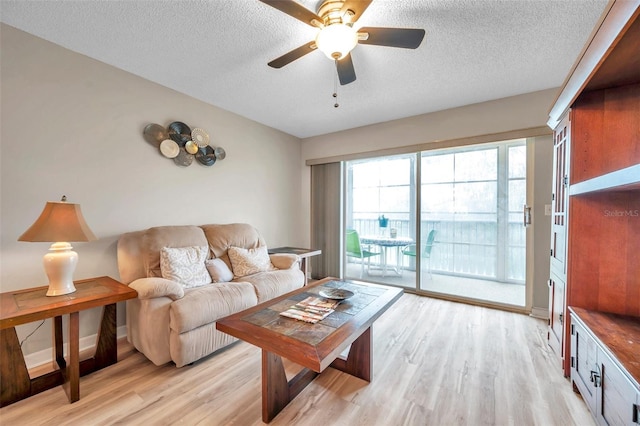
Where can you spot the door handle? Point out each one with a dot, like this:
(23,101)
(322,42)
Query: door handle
(526,215)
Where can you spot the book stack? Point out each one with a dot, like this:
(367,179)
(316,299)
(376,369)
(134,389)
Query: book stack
(312,309)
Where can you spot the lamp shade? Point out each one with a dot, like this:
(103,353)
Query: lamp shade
(59,221)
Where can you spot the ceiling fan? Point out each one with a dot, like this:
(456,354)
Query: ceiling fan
(337,37)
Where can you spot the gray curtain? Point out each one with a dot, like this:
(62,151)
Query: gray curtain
(326,213)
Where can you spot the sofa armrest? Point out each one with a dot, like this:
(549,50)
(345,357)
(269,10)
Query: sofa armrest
(284,260)
(149,288)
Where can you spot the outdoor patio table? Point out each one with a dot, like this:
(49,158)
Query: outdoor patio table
(385,243)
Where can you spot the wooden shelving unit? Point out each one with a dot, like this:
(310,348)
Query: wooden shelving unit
(596,250)
(595,240)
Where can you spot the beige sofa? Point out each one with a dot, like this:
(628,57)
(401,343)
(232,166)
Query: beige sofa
(169,321)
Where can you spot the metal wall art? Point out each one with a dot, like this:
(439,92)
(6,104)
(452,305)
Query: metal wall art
(178,142)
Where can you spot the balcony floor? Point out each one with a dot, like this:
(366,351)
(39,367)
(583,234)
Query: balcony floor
(468,288)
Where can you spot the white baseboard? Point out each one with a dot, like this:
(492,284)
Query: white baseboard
(541,313)
(45,356)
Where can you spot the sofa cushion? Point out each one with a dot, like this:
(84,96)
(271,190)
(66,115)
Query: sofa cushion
(204,305)
(221,237)
(219,271)
(249,261)
(154,239)
(274,283)
(284,260)
(185,265)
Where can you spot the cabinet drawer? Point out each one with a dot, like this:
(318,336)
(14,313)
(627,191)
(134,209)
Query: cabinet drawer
(585,372)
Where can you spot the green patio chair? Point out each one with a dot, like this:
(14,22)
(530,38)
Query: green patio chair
(410,250)
(354,249)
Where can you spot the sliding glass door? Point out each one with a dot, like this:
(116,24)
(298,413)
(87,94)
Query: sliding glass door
(380,218)
(470,240)
(472,231)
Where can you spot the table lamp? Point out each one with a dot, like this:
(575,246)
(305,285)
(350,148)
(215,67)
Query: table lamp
(58,223)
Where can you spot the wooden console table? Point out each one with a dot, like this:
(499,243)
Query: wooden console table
(24,306)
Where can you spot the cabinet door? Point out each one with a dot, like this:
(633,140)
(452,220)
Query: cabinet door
(585,372)
(560,196)
(556,314)
(617,402)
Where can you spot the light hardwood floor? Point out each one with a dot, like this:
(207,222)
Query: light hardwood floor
(435,363)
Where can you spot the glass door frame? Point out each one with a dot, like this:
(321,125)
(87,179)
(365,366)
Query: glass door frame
(416,200)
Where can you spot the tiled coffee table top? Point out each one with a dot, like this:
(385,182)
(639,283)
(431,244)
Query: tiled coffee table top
(314,346)
(313,334)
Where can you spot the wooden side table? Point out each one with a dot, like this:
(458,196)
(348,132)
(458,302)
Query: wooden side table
(24,306)
(303,253)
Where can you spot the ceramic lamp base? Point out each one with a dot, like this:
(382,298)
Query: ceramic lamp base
(59,264)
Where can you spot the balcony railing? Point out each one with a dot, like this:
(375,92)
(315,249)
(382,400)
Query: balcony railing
(467,248)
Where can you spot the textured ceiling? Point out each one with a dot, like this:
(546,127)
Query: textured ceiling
(217,51)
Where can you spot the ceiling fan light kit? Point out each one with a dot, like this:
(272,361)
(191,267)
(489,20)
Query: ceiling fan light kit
(337,37)
(337,40)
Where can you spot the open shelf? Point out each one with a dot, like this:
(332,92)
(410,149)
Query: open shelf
(626,179)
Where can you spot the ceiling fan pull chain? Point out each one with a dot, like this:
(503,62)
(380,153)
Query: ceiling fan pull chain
(335,86)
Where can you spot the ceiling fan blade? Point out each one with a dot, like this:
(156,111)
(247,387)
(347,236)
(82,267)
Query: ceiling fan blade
(297,53)
(408,38)
(356,6)
(296,10)
(346,72)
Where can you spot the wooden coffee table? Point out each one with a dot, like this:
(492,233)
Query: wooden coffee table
(313,346)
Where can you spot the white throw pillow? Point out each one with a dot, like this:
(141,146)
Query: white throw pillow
(185,265)
(249,261)
(219,271)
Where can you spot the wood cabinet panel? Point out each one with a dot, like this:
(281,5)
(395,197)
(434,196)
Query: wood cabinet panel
(560,197)
(557,314)
(604,247)
(621,128)
(583,352)
(605,132)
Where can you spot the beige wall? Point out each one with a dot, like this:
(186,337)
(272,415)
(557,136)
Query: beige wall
(72,125)
(500,116)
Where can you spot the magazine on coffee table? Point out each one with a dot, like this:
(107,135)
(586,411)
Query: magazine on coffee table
(312,309)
